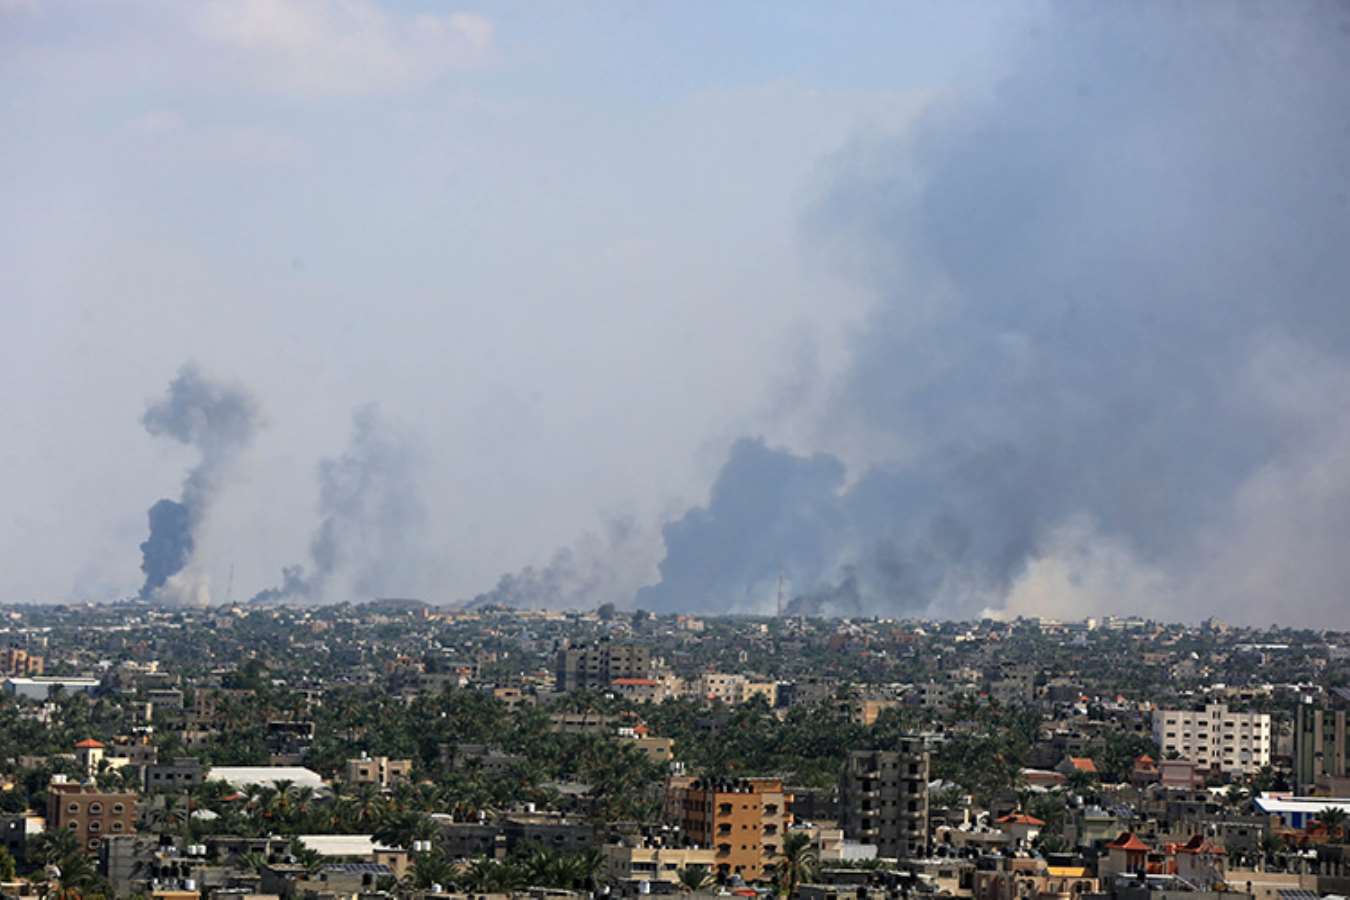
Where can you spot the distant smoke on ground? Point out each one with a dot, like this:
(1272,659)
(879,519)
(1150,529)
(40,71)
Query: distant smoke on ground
(371,518)
(1109,350)
(218,421)
(598,569)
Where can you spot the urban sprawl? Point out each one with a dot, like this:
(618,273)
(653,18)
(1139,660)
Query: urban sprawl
(393,749)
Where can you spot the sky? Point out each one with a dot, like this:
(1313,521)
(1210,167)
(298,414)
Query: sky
(924,308)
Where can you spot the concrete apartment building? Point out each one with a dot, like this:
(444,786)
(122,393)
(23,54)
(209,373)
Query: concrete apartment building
(1214,737)
(734,689)
(89,813)
(179,774)
(594,668)
(380,771)
(1320,749)
(17,661)
(653,862)
(743,820)
(883,799)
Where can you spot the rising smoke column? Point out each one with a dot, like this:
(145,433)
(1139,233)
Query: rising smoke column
(1110,337)
(371,518)
(218,421)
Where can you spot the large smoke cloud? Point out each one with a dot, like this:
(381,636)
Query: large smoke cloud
(371,518)
(218,421)
(1106,356)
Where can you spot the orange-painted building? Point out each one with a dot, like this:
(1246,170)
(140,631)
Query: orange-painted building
(744,820)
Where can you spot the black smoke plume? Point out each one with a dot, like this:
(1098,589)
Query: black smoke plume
(218,421)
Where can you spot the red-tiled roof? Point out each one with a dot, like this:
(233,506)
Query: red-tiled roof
(1083,764)
(1128,840)
(89,744)
(1018,819)
(1199,844)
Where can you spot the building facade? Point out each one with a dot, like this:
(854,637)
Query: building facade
(17,661)
(743,820)
(1214,737)
(1320,746)
(594,668)
(89,813)
(380,771)
(883,799)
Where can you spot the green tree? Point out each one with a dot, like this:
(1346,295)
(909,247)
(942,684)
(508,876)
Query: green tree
(694,878)
(1333,819)
(796,864)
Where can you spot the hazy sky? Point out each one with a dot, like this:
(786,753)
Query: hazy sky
(574,252)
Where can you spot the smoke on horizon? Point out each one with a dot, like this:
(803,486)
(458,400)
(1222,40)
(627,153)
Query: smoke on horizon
(371,517)
(1106,360)
(218,421)
(597,569)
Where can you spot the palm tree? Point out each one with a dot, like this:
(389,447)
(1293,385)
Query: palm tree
(590,868)
(432,868)
(1333,819)
(694,878)
(796,864)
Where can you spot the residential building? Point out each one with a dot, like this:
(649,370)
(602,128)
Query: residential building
(180,774)
(17,661)
(597,667)
(1321,746)
(655,862)
(89,813)
(735,689)
(380,771)
(744,820)
(1214,737)
(88,754)
(883,799)
(17,829)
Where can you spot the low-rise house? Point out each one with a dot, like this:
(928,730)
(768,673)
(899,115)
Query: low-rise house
(652,861)
(380,771)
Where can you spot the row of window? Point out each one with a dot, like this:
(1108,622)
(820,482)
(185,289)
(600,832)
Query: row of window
(95,808)
(95,827)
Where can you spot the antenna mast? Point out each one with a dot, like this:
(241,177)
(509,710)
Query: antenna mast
(780,594)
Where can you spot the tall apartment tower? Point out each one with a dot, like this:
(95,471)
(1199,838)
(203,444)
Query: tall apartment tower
(1321,749)
(595,668)
(883,799)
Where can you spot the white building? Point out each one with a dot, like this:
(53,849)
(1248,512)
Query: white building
(43,687)
(240,777)
(1234,742)
(1298,812)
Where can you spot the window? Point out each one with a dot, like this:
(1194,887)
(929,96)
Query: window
(118,809)
(95,808)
